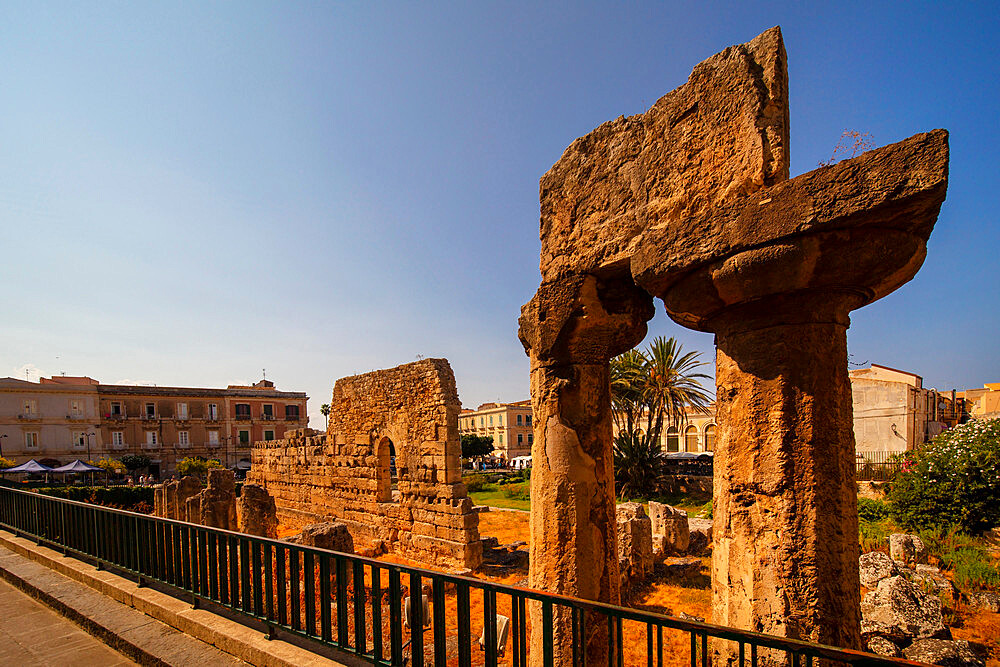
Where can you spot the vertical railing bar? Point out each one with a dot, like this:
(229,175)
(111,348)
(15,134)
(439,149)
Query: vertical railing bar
(515,639)
(203,562)
(753,655)
(360,631)
(619,642)
(649,645)
(268,583)
(659,645)
(694,649)
(309,574)
(293,576)
(704,649)
(377,613)
(440,649)
(416,620)
(279,559)
(490,626)
(742,654)
(232,553)
(462,610)
(340,565)
(548,658)
(395,613)
(256,577)
(245,574)
(326,631)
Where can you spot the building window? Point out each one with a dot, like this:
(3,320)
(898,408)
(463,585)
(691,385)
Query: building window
(691,439)
(501,438)
(182,439)
(520,419)
(31,440)
(117,439)
(292,412)
(75,408)
(673,440)
(268,436)
(213,411)
(268,411)
(29,407)
(482,422)
(491,420)
(710,438)
(79,440)
(244,437)
(531,439)
(500,417)
(243,411)
(182,410)
(151,440)
(116,409)
(150,410)
(213,438)
(520,438)
(528,420)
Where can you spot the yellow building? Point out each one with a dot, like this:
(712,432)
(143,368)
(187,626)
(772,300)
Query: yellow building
(509,424)
(696,434)
(983,403)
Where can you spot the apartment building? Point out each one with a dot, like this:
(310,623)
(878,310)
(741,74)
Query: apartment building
(509,424)
(60,419)
(54,420)
(697,433)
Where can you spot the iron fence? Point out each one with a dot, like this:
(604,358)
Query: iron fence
(877,466)
(363,606)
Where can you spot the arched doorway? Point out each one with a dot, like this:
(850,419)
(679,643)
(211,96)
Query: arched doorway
(386,454)
(673,439)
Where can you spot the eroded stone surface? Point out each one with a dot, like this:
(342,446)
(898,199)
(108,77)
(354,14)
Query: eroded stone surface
(216,506)
(406,415)
(170,498)
(671,530)
(690,202)
(874,567)
(904,611)
(908,549)
(257,512)
(943,652)
(635,543)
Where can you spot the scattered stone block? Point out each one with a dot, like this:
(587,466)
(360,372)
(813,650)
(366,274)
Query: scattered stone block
(898,608)
(984,600)
(331,535)
(881,646)
(908,549)
(874,567)
(671,531)
(700,537)
(257,511)
(635,542)
(943,652)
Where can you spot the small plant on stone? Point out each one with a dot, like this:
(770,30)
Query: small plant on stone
(851,144)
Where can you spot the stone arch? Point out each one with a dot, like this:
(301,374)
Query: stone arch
(385,452)
(691,438)
(710,431)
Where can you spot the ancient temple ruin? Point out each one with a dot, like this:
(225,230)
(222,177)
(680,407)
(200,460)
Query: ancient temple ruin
(691,202)
(399,424)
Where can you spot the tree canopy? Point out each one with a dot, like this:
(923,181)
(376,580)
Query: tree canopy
(476,445)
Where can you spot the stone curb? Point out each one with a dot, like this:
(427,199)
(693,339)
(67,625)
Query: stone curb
(226,635)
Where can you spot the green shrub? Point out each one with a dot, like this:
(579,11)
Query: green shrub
(870,509)
(972,570)
(131,498)
(520,491)
(475,483)
(955,481)
(874,535)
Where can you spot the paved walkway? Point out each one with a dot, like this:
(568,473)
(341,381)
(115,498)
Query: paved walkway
(32,635)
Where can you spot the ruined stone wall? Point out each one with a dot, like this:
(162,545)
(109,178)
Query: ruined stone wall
(411,412)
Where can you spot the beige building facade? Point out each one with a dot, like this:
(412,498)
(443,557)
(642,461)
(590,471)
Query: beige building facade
(697,433)
(60,419)
(983,403)
(54,420)
(509,424)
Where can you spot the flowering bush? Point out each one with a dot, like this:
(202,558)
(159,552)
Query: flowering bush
(955,481)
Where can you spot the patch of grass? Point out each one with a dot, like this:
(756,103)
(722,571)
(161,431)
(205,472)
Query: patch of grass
(874,535)
(493,496)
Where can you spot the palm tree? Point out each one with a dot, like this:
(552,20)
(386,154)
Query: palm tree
(325,411)
(658,385)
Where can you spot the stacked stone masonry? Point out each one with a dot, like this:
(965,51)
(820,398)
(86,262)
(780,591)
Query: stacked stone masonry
(407,415)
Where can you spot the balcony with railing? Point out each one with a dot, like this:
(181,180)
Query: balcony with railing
(29,416)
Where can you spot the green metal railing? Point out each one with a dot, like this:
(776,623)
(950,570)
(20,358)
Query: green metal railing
(357,604)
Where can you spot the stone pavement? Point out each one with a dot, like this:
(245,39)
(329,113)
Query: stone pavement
(32,635)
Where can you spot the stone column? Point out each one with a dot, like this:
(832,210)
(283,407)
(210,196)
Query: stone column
(571,332)
(785,558)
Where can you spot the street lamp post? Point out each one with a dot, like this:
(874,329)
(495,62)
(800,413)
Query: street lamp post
(1,444)
(89,436)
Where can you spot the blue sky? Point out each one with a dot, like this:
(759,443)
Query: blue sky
(191,192)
